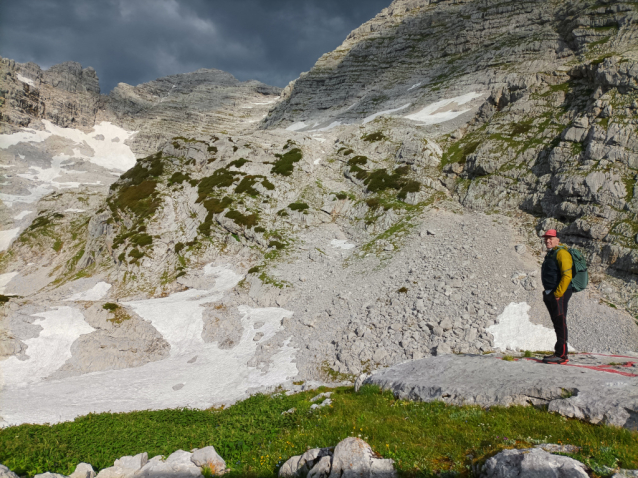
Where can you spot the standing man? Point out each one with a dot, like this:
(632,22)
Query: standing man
(556,275)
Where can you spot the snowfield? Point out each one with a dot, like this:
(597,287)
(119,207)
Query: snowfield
(514,331)
(110,152)
(196,374)
(431,114)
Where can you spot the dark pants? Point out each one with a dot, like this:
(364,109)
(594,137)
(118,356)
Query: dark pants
(558,312)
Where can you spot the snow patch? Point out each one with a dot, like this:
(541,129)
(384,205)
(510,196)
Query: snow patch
(49,351)
(514,331)
(74,210)
(217,376)
(341,244)
(367,119)
(7,237)
(106,153)
(296,126)
(414,86)
(26,80)
(332,125)
(35,194)
(429,115)
(97,292)
(4,280)
(22,215)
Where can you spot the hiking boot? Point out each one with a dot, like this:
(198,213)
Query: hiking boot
(555,359)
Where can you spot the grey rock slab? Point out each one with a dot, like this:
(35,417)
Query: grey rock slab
(353,458)
(322,468)
(177,465)
(83,470)
(132,462)
(289,468)
(596,396)
(300,466)
(209,458)
(6,472)
(619,474)
(49,475)
(532,463)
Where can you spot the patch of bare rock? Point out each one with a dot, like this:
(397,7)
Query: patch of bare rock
(597,394)
(351,458)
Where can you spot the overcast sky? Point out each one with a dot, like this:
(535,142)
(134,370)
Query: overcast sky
(134,41)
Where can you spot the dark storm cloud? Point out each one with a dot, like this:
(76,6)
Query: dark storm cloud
(135,41)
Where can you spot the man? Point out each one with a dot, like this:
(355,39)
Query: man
(556,275)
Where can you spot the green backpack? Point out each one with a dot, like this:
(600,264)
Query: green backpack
(580,276)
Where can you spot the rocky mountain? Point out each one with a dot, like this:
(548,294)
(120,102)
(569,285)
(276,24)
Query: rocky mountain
(384,207)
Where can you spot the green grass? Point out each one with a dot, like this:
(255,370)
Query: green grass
(298,206)
(285,163)
(222,178)
(254,437)
(374,137)
(249,220)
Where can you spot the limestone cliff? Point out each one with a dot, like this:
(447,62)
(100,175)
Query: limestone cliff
(553,133)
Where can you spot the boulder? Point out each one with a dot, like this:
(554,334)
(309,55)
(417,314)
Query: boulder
(300,466)
(125,467)
(622,474)
(83,470)
(49,475)
(177,465)
(353,457)
(209,458)
(6,472)
(532,462)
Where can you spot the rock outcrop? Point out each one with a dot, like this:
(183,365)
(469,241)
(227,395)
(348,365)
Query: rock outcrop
(532,462)
(352,457)
(577,390)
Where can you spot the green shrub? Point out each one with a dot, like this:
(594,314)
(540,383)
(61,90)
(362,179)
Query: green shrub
(179,247)
(285,163)
(341,196)
(221,178)
(268,185)
(246,185)
(178,178)
(373,137)
(254,270)
(246,221)
(110,306)
(217,206)
(357,161)
(373,203)
(282,213)
(138,198)
(259,229)
(212,149)
(142,240)
(238,163)
(145,168)
(298,206)
(409,186)
(204,227)
(136,254)
(277,245)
